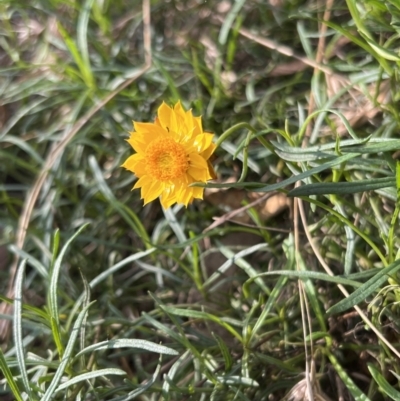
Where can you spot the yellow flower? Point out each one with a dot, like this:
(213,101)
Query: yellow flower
(171,153)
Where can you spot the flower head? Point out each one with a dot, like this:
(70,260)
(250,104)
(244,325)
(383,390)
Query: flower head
(171,153)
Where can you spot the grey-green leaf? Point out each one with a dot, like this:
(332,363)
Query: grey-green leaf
(342,188)
(383,383)
(308,173)
(89,376)
(129,343)
(361,293)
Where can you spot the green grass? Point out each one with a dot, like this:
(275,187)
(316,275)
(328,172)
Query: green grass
(104,299)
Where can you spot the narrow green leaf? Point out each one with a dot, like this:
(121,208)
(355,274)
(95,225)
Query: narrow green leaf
(319,114)
(383,383)
(89,376)
(373,147)
(167,331)
(56,247)
(348,382)
(200,71)
(308,173)
(238,381)
(141,389)
(352,5)
(238,260)
(175,368)
(84,71)
(168,78)
(289,249)
(86,301)
(246,185)
(53,290)
(20,113)
(129,216)
(104,275)
(30,260)
(175,225)
(308,275)
(364,274)
(23,144)
(394,3)
(113,269)
(229,19)
(67,355)
(9,377)
(363,146)
(81,33)
(225,351)
(18,340)
(348,223)
(342,188)
(380,50)
(361,293)
(315,152)
(201,315)
(32,310)
(55,330)
(272,299)
(278,363)
(129,343)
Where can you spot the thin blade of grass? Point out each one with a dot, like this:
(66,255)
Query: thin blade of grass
(306,274)
(104,275)
(81,39)
(19,346)
(342,188)
(67,354)
(129,343)
(225,351)
(9,377)
(348,382)
(193,314)
(129,216)
(90,376)
(133,394)
(30,260)
(308,173)
(384,385)
(368,288)
(238,260)
(171,374)
(228,21)
(53,289)
(85,72)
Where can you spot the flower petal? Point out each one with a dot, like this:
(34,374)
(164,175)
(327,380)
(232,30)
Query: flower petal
(203,141)
(164,115)
(142,181)
(167,118)
(197,161)
(211,171)
(208,151)
(171,153)
(152,192)
(197,126)
(198,192)
(168,198)
(186,196)
(198,174)
(131,162)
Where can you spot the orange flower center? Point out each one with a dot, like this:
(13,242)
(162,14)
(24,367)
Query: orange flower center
(166,159)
